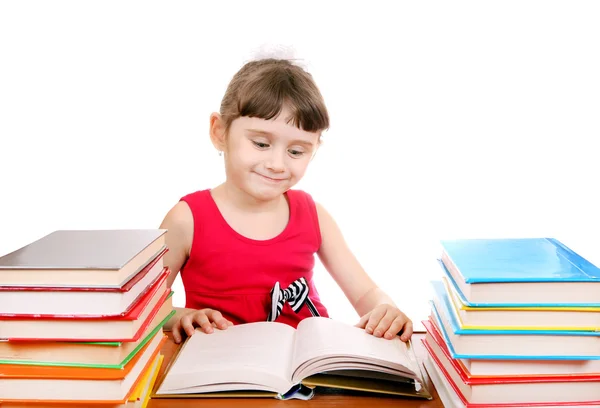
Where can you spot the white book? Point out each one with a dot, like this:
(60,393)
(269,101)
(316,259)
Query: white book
(273,357)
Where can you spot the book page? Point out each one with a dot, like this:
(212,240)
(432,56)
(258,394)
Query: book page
(321,338)
(255,353)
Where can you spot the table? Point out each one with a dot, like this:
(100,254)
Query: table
(343,399)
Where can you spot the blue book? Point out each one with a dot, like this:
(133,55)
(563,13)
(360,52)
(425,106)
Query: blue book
(508,345)
(520,272)
(443,302)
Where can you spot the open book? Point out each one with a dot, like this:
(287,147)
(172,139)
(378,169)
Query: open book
(274,357)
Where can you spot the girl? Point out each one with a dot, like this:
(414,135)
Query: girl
(245,249)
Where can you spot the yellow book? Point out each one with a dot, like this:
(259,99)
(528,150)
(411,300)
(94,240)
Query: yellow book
(522,318)
(135,395)
(147,391)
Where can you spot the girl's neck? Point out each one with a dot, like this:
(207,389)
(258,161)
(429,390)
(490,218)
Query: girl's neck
(229,193)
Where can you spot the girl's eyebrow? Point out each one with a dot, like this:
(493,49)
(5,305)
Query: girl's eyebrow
(262,132)
(265,133)
(302,142)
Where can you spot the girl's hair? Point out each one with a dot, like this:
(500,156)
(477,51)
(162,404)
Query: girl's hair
(261,88)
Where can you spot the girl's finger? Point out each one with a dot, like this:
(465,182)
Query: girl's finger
(217,317)
(396,326)
(202,320)
(384,324)
(363,321)
(407,331)
(187,325)
(175,330)
(376,316)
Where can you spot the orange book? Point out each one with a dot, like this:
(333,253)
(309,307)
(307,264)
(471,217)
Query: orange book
(139,397)
(63,386)
(9,371)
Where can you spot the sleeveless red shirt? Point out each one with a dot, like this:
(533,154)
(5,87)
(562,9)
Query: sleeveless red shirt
(235,275)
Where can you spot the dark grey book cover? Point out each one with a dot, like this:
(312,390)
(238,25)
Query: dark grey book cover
(82,249)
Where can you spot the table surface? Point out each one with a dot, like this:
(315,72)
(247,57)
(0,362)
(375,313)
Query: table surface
(341,399)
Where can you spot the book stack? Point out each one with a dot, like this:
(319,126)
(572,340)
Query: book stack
(81,318)
(514,323)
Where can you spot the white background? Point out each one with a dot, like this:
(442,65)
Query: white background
(448,119)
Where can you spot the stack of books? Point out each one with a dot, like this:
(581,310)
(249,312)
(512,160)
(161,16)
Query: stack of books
(514,323)
(81,318)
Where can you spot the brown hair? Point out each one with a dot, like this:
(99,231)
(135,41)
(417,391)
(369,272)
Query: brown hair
(262,87)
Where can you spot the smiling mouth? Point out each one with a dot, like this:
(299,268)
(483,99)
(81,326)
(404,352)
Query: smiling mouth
(274,180)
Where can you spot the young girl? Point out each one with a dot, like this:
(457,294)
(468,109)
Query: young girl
(245,249)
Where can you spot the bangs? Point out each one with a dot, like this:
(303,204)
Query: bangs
(266,95)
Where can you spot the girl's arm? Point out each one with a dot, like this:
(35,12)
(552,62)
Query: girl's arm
(179,223)
(379,314)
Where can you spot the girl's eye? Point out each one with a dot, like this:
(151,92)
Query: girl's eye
(296,153)
(260,144)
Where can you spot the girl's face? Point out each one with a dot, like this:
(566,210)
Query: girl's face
(265,158)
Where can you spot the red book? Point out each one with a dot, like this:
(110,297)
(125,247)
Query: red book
(482,368)
(507,391)
(127,327)
(80,301)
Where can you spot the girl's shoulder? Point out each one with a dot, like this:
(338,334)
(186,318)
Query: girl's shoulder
(198,203)
(196,197)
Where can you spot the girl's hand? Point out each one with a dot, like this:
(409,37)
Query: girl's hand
(387,321)
(206,319)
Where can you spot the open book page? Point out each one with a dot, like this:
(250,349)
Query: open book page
(254,356)
(325,344)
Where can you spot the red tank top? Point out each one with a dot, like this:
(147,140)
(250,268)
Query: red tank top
(237,276)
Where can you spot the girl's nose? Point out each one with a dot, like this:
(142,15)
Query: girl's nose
(275,163)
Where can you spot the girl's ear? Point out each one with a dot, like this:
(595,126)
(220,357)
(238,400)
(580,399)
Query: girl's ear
(217,131)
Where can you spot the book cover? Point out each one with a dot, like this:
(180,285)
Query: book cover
(74,392)
(522,318)
(438,350)
(92,330)
(144,398)
(518,260)
(57,351)
(51,302)
(446,304)
(133,312)
(451,394)
(467,351)
(481,368)
(126,287)
(8,371)
(82,258)
(147,378)
(520,300)
(81,249)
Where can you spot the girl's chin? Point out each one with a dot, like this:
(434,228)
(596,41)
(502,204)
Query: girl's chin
(266,193)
